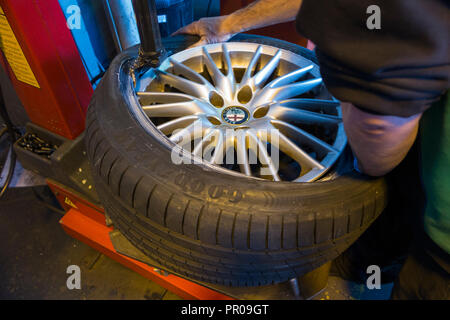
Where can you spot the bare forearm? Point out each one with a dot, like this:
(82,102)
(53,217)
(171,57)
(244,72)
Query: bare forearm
(258,14)
(379,143)
(262,13)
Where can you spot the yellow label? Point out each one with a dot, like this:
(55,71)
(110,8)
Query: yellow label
(14,54)
(70,203)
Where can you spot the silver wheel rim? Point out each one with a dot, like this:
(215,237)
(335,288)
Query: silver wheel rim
(252,109)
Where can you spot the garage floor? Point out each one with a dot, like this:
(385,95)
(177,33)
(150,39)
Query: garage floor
(35,253)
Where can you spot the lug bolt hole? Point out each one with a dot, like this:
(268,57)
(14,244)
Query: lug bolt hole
(216,100)
(261,111)
(245,95)
(214,120)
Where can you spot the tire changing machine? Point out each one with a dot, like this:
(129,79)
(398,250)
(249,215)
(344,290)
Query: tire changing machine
(56,97)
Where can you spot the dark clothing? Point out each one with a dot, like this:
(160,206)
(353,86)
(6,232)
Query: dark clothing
(425,273)
(435,158)
(398,70)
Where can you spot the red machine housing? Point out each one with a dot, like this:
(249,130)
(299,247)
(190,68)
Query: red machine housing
(60,102)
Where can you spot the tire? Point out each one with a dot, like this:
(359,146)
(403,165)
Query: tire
(210,226)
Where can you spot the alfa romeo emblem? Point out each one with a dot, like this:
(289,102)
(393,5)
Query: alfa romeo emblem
(235,115)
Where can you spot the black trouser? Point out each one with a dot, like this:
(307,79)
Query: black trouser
(425,273)
(396,242)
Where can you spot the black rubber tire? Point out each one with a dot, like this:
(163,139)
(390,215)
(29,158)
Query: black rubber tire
(210,226)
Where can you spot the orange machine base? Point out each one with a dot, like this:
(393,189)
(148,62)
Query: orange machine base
(85,222)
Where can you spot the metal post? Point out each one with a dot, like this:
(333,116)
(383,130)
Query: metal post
(122,22)
(295,288)
(151,51)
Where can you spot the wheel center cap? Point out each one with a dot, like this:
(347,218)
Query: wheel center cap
(235,115)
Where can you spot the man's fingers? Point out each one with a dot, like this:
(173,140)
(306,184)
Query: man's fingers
(179,31)
(189,29)
(201,42)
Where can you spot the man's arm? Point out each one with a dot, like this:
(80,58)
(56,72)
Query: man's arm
(379,143)
(397,71)
(260,13)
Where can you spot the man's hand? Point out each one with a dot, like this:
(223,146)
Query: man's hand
(210,30)
(258,14)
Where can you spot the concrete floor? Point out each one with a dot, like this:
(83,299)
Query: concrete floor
(35,253)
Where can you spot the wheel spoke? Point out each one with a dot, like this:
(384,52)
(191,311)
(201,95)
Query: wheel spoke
(190,74)
(208,151)
(198,150)
(295,89)
(302,116)
(184,137)
(164,97)
(251,67)
(242,153)
(223,144)
(263,75)
(184,85)
(303,137)
(178,109)
(291,149)
(260,149)
(290,77)
(227,62)
(217,157)
(213,70)
(180,123)
(286,91)
(222,82)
